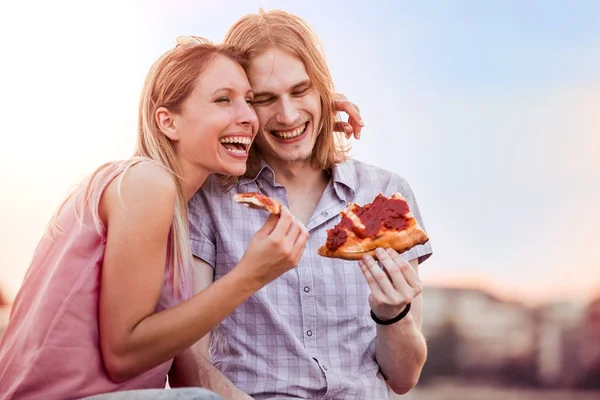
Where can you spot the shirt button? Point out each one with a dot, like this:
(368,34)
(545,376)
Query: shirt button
(306,289)
(324,368)
(324,213)
(309,333)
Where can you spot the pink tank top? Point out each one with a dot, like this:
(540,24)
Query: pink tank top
(51,348)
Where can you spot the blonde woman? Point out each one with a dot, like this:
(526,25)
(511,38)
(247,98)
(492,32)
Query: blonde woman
(108,302)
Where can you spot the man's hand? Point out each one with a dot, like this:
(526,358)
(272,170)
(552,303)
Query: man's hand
(393,285)
(354,124)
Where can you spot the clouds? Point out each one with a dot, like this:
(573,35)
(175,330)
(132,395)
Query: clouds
(492,111)
(509,182)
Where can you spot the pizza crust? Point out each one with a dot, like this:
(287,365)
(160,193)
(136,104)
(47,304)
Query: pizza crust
(355,248)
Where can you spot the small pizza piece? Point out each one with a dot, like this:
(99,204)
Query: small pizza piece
(387,222)
(258,201)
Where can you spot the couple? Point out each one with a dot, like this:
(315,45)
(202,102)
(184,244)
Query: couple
(149,255)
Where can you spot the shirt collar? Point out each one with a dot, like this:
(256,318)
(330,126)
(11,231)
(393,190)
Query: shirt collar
(264,171)
(344,183)
(343,177)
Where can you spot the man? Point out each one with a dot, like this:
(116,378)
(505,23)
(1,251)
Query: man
(309,334)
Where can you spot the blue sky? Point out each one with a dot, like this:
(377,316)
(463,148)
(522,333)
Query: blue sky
(491,111)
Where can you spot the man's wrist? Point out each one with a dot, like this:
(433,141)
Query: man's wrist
(389,321)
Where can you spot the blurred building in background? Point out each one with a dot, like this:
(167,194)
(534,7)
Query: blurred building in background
(475,336)
(484,347)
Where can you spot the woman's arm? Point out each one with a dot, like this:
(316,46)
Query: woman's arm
(133,337)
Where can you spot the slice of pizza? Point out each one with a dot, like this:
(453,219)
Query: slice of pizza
(258,201)
(387,222)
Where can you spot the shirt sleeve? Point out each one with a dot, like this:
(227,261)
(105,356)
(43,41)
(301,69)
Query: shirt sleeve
(202,232)
(423,251)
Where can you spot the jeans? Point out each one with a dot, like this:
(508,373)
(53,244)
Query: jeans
(159,394)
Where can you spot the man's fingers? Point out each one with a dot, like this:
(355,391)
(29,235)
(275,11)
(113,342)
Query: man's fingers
(349,128)
(356,128)
(355,122)
(349,108)
(402,286)
(407,270)
(341,126)
(371,281)
(380,277)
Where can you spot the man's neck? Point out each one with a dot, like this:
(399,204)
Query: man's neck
(298,176)
(304,186)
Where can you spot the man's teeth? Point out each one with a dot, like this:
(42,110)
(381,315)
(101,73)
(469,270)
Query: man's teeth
(290,135)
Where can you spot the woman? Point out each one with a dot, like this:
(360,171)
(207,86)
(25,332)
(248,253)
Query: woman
(106,303)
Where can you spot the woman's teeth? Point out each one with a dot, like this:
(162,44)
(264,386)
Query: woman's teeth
(290,135)
(236,144)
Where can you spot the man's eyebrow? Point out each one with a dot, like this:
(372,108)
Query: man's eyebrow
(296,86)
(264,94)
(305,82)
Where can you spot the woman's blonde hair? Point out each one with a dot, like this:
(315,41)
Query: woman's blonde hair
(253,34)
(169,82)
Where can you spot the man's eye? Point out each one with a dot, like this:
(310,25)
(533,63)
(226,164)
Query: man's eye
(300,92)
(261,101)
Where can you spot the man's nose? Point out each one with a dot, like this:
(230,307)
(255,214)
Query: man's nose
(288,112)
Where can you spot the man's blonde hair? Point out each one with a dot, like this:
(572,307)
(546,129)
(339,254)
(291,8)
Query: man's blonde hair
(254,34)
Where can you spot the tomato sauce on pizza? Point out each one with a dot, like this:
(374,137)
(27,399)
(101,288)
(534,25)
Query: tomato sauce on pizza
(386,222)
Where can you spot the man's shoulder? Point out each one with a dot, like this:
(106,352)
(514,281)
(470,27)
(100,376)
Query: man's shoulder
(367,175)
(210,196)
(366,168)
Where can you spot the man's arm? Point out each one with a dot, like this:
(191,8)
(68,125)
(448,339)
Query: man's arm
(192,367)
(400,349)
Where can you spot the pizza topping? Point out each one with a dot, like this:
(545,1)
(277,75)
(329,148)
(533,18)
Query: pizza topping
(337,236)
(391,213)
(259,201)
(266,200)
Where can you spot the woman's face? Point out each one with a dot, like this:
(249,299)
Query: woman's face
(216,123)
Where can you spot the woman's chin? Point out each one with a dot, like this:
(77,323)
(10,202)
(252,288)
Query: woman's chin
(235,170)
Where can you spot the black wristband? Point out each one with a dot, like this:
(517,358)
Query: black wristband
(393,320)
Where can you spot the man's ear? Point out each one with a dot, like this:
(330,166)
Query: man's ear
(165,120)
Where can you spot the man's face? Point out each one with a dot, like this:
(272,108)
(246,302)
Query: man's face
(287,105)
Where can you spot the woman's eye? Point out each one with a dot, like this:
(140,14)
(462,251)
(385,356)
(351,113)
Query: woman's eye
(222,100)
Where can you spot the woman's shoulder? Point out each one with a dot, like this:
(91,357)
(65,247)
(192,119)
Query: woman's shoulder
(141,184)
(146,174)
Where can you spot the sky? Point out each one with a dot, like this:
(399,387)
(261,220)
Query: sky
(490,110)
